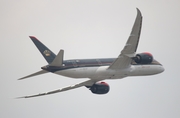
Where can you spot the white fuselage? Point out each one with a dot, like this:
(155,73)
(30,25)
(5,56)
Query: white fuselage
(102,72)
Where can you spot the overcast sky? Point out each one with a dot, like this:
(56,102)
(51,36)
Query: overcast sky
(88,29)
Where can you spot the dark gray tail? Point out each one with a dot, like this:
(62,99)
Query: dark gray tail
(47,53)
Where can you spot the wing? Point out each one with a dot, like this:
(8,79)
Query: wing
(86,83)
(129,50)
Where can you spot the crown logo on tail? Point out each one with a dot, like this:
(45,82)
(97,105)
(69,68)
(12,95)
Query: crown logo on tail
(47,53)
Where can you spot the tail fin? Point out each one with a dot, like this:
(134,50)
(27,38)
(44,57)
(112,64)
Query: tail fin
(47,53)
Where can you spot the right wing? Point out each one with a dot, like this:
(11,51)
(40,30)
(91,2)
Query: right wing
(133,40)
(129,50)
(86,83)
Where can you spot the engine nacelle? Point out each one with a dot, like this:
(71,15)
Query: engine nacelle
(143,58)
(100,88)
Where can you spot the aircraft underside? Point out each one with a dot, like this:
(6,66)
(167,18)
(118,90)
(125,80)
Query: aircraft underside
(101,73)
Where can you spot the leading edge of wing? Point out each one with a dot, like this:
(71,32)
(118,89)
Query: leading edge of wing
(129,50)
(133,40)
(86,83)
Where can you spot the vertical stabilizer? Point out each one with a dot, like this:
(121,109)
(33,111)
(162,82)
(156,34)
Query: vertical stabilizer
(47,53)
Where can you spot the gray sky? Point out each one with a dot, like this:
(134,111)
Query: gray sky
(88,29)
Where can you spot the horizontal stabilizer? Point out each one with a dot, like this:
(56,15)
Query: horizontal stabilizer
(58,59)
(34,74)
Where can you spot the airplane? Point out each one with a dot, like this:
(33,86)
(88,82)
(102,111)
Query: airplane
(128,63)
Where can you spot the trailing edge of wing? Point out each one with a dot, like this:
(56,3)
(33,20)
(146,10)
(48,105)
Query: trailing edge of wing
(124,59)
(34,74)
(58,59)
(86,83)
(120,63)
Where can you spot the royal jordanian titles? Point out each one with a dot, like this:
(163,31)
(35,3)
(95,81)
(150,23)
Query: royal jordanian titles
(127,64)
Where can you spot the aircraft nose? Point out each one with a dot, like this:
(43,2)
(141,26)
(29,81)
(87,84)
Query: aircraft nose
(161,69)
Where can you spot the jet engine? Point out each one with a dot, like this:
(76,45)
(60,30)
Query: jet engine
(143,58)
(99,88)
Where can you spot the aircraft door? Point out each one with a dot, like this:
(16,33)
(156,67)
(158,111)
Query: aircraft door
(74,63)
(99,62)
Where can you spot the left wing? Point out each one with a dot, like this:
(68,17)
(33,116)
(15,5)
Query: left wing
(86,83)
(125,58)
